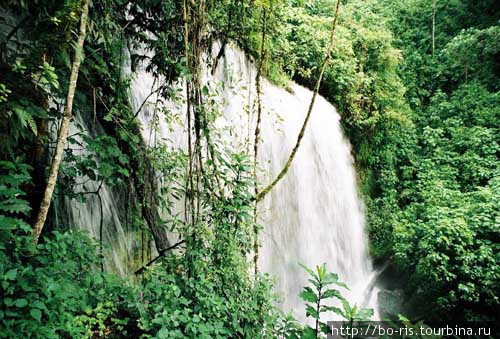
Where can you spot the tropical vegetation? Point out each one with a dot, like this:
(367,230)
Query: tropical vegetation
(416,83)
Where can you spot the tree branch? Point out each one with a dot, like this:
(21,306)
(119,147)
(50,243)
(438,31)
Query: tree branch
(160,254)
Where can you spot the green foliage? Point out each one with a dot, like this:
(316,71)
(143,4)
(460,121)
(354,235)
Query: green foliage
(361,77)
(424,125)
(316,298)
(471,55)
(424,129)
(46,77)
(447,233)
(13,206)
(100,322)
(53,291)
(30,68)
(206,290)
(443,212)
(208,305)
(101,161)
(4,93)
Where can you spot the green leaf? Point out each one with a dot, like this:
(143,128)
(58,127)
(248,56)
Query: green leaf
(364,314)
(21,302)
(331,278)
(332,309)
(308,333)
(26,119)
(347,307)
(311,312)
(11,274)
(36,314)
(308,295)
(163,333)
(38,304)
(332,294)
(308,270)
(15,206)
(321,272)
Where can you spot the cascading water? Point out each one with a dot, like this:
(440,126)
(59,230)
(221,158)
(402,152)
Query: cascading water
(96,211)
(314,215)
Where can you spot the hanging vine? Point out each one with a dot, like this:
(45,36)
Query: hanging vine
(257,134)
(259,196)
(195,16)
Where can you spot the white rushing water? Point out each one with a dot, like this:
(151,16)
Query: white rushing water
(96,209)
(314,215)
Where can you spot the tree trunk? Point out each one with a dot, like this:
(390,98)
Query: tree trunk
(269,187)
(63,131)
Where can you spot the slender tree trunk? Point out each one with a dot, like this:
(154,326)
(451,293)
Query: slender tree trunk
(63,131)
(318,310)
(269,187)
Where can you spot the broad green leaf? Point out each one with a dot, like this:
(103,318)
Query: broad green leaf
(308,295)
(11,274)
(311,312)
(36,314)
(21,302)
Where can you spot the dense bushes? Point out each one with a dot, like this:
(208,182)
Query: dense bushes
(447,233)
(446,239)
(57,291)
(206,305)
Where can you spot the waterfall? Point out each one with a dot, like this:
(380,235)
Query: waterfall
(97,209)
(314,215)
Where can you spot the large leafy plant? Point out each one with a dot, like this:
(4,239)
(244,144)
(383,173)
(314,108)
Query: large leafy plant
(316,297)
